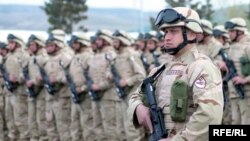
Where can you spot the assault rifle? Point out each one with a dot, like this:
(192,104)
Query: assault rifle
(29,90)
(232,72)
(93,95)
(119,90)
(71,84)
(157,117)
(8,84)
(49,87)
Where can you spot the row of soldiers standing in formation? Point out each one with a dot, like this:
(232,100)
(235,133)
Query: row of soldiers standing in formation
(104,71)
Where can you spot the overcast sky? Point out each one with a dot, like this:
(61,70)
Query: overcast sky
(145,5)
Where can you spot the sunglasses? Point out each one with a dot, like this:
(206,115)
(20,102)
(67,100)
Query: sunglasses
(2,45)
(148,36)
(231,25)
(217,33)
(11,37)
(118,34)
(168,16)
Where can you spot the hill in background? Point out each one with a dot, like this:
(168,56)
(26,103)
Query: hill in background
(26,17)
(33,18)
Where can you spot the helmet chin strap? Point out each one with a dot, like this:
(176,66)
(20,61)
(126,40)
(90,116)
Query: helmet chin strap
(173,51)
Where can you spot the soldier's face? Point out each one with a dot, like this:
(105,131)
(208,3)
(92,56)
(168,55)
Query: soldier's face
(141,44)
(151,45)
(99,42)
(33,47)
(76,46)
(232,34)
(173,37)
(116,44)
(12,45)
(200,37)
(220,39)
(51,48)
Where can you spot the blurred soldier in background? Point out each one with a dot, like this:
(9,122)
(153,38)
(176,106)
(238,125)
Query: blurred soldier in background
(37,120)
(153,51)
(130,70)
(98,66)
(239,53)
(3,53)
(58,103)
(16,100)
(207,44)
(221,34)
(93,43)
(81,118)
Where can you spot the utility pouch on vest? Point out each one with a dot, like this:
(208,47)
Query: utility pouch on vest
(245,65)
(178,101)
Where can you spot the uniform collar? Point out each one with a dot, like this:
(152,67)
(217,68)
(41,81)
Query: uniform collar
(189,54)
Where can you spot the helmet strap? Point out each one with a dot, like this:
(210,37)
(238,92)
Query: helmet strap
(173,51)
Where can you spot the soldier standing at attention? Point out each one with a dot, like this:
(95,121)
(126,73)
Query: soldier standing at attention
(3,53)
(16,100)
(189,78)
(221,35)
(130,69)
(104,109)
(239,53)
(37,119)
(81,118)
(58,103)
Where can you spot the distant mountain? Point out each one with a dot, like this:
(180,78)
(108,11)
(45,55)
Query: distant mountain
(28,17)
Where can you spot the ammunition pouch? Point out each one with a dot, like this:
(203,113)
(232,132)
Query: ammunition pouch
(178,101)
(245,65)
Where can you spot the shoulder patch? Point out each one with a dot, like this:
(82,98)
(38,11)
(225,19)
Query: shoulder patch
(200,82)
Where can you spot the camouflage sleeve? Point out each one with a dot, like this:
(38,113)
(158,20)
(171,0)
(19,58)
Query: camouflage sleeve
(25,61)
(139,72)
(134,100)
(206,83)
(66,58)
(247,51)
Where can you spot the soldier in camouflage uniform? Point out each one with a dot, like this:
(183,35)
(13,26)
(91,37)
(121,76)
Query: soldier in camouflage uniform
(104,109)
(207,44)
(239,53)
(190,76)
(37,120)
(16,100)
(3,53)
(81,118)
(221,34)
(58,103)
(129,67)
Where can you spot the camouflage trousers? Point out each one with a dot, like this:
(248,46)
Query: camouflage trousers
(37,119)
(58,118)
(125,128)
(103,113)
(240,110)
(81,121)
(17,117)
